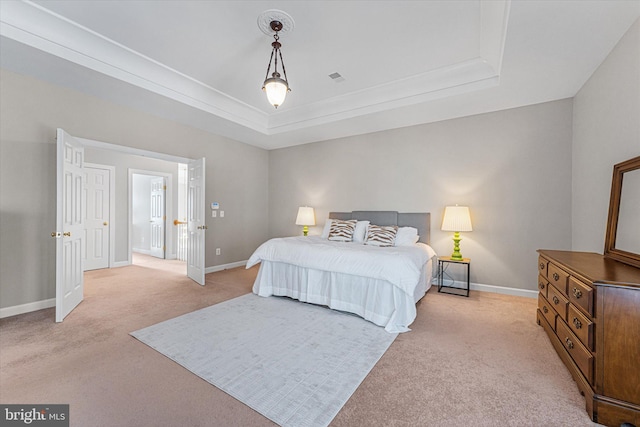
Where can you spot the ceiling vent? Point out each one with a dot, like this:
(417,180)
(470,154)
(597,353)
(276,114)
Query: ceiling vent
(336,77)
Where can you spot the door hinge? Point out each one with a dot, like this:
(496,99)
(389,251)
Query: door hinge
(164,217)
(164,248)
(164,187)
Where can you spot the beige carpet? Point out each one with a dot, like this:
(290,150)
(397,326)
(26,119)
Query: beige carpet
(479,361)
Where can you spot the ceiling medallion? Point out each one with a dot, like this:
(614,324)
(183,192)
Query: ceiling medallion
(268,16)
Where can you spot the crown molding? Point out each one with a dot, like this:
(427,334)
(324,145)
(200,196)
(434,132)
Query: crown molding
(35,26)
(447,81)
(40,28)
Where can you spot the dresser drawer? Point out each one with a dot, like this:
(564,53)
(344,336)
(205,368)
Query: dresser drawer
(543,285)
(581,326)
(558,301)
(578,352)
(557,277)
(581,295)
(546,310)
(542,266)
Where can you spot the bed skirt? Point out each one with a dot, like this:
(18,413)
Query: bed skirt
(375,300)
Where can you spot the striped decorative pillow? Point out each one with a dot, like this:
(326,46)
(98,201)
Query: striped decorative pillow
(342,231)
(381,236)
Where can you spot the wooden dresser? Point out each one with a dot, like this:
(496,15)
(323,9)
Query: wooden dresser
(589,306)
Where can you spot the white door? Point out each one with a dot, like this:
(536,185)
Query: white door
(69,225)
(195,221)
(95,253)
(158,218)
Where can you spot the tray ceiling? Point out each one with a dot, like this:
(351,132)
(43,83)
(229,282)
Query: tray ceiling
(402,62)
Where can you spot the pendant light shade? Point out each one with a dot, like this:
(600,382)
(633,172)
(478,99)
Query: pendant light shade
(276,90)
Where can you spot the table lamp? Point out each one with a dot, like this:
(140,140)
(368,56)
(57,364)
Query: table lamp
(456,219)
(305,217)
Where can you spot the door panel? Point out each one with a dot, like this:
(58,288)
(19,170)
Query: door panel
(196,220)
(69,223)
(158,218)
(96,218)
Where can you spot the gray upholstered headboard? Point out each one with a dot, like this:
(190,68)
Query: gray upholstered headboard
(420,220)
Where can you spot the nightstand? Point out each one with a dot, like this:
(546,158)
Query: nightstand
(443,265)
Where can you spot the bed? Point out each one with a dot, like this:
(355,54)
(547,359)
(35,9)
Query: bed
(380,284)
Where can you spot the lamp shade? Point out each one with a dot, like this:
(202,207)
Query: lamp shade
(276,90)
(456,218)
(306,216)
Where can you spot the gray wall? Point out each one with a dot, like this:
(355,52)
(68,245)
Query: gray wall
(512,168)
(606,131)
(237,177)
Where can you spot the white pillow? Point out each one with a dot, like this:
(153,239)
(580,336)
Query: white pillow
(361,231)
(326,229)
(406,236)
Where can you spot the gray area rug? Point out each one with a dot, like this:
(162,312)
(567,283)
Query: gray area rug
(295,363)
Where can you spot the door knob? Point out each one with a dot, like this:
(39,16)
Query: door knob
(105,223)
(67,234)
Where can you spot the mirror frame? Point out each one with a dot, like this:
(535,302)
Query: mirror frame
(610,250)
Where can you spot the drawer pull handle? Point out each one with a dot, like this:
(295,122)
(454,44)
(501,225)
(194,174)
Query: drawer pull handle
(556,301)
(556,277)
(568,342)
(577,323)
(545,309)
(577,293)
(541,266)
(541,285)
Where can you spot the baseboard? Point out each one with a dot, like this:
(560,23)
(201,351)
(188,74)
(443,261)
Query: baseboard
(148,252)
(224,266)
(504,290)
(494,289)
(26,308)
(120,264)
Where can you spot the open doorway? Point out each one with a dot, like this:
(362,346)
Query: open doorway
(148,215)
(158,223)
(184,186)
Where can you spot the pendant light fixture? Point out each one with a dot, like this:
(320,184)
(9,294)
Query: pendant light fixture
(275,86)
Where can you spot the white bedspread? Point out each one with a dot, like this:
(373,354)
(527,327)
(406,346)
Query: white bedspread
(399,265)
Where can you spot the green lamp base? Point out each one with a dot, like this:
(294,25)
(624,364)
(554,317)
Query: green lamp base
(305,230)
(456,247)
